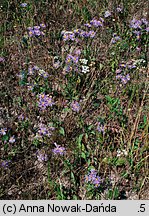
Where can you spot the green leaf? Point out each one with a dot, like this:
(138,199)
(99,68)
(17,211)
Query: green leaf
(80,140)
(120,162)
(62,131)
(83,155)
(5,138)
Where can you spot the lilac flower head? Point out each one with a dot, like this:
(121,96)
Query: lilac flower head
(30,71)
(76,31)
(30,28)
(96,23)
(134,23)
(91,34)
(68,35)
(3,131)
(45,101)
(147,29)
(88,25)
(144,21)
(93,178)
(83,33)
(5,163)
(122,65)
(115,38)
(42,25)
(42,130)
(59,150)
(43,73)
(23,4)
(77,52)
(119,9)
(37,32)
(41,155)
(107,14)
(21,117)
(12,139)
(2,59)
(36,27)
(31,33)
(35,68)
(75,106)
(100,127)
(30,86)
(118,71)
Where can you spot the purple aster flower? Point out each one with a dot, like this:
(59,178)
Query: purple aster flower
(30,28)
(138,49)
(135,23)
(67,69)
(45,101)
(88,25)
(42,33)
(100,127)
(2,59)
(128,77)
(35,68)
(71,36)
(93,178)
(118,71)
(3,131)
(37,32)
(101,19)
(119,9)
(42,25)
(119,76)
(76,31)
(30,71)
(75,106)
(5,163)
(96,23)
(42,105)
(42,96)
(122,65)
(107,14)
(36,27)
(113,41)
(123,80)
(147,29)
(117,38)
(12,139)
(30,86)
(50,101)
(144,21)
(43,73)
(65,37)
(82,33)
(41,155)
(31,33)
(21,117)
(51,127)
(77,52)
(23,4)
(59,150)
(69,58)
(75,59)
(97,181)
(131,66)
(42,130)
(91,34)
